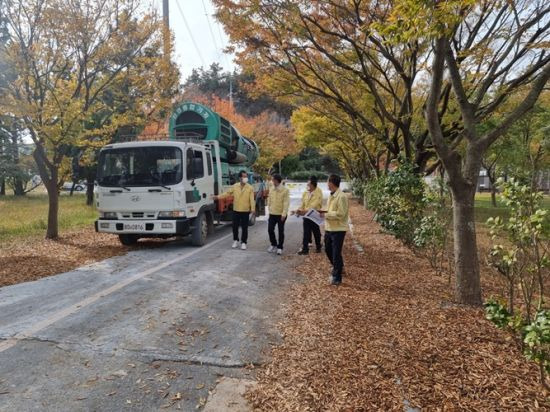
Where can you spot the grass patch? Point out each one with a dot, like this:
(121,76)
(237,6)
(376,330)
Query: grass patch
(28,215)
(485,209)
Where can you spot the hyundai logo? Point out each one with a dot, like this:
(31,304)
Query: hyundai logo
(135,198)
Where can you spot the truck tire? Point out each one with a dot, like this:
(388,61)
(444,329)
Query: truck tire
(128,240)
(200,230)
(252,220)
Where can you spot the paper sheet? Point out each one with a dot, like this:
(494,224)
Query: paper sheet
(314,216)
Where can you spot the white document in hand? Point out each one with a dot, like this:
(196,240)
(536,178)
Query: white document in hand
(314,216)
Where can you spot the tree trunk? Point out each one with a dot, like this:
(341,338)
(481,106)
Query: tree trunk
(52,231)
(18,188)
(49,174)
(493,195)
(2,187)
(89,192)
(491,174)
(468,288)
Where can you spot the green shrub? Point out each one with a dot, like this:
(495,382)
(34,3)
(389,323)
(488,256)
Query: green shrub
(398,201)
(497,313)
(305,174)
(535,336)
(520,255)
(432,237)
(537,343)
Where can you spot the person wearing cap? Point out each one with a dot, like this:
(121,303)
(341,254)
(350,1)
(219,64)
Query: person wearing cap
(336,226)
(244,205)
(312,198)
(278,203)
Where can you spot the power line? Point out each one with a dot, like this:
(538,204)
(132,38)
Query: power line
(221,42)
(209,25)
(190,32)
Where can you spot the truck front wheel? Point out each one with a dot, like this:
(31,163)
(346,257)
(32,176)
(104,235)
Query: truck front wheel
(128,240)
(200,230)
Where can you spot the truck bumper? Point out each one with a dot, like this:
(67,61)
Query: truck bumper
(144,227)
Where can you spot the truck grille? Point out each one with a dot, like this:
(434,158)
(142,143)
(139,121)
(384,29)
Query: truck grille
(138,215)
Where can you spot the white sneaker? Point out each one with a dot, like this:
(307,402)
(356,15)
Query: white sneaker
(243,246)
(279,251)
(235,244)
(271,249)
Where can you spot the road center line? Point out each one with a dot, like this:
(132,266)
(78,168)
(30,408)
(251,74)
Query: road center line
(63,313)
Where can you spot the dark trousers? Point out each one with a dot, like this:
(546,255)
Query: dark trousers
(275,220)
(240,219)
(309,228)
(334,242)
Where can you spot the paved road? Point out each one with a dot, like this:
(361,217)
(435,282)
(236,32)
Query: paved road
(154,329)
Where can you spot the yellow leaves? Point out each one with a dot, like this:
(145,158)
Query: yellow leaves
(410,20)
(86,71)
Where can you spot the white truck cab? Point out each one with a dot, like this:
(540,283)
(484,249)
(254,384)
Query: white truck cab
(159,189)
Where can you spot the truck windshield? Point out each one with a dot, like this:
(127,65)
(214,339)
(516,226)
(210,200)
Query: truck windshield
(140,166)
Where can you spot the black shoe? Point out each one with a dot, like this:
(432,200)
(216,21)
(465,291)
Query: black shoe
(303,252)
(319,249)
(335,281)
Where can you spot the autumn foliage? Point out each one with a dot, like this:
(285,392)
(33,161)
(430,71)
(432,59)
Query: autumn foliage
(274,136)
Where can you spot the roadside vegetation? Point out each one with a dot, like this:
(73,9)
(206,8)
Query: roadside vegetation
(27,216)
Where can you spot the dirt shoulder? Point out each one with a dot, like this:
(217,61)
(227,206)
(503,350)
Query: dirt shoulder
(29,258)
(389,338)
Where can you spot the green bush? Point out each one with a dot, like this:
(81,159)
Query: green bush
(535,336)
(398,201)
(305,174)
(497,313)
(537,341)
(520,254)
(359,190)
(432,236)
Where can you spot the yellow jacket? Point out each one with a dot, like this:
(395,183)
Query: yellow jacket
(336,218)
(243,197)
(312,200)
(279,200)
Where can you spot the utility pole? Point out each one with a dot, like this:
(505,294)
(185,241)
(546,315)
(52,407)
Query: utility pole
(230,91)
(166,31)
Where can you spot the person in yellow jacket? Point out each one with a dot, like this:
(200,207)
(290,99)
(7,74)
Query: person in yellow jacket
(336,226)
(278,203)
(312,198)
(244,205)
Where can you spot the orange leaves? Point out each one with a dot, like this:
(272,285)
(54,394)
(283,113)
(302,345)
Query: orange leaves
(274,137)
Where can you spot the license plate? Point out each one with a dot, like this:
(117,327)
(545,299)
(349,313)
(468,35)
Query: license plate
(134,227)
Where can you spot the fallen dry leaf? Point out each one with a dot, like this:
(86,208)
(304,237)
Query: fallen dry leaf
(389,336)
(25,259)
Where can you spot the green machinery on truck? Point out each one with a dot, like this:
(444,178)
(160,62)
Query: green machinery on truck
(193,121)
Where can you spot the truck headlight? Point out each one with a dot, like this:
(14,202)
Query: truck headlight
(108,215)
(172,213)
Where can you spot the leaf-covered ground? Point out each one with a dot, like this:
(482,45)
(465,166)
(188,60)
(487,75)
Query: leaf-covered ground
(25,259)
(390,337)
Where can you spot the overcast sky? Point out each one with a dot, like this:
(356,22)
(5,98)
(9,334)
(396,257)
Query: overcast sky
(208,42)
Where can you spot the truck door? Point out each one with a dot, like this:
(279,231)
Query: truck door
(199,180)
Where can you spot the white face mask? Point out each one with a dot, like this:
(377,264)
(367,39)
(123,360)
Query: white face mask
(244,180)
